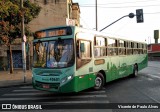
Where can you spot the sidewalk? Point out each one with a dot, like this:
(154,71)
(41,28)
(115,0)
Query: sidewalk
(154,64)
(15,79)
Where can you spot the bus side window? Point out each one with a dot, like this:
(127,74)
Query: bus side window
(100,47)
(96,52)
(112,47)
(121,47)
(129,48)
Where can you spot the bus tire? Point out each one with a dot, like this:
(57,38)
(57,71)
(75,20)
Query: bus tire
(99,81)
(135,71)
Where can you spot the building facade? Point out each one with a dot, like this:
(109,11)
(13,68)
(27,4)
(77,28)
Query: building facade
(154,48)
(53,13)
(154,52)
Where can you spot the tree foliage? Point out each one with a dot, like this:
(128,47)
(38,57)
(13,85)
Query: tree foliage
(10,18)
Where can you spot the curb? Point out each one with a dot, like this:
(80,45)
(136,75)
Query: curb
(149,76)
(153,66)
(15,83)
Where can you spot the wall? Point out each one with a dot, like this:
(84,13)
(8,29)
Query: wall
(53,13)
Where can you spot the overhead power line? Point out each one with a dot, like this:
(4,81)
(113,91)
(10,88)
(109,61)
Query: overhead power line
(124,2)
(152,13)
(155,5)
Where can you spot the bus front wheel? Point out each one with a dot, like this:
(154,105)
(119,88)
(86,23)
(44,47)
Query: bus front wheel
(99,81)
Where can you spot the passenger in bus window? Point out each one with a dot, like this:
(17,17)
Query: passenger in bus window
(66,55)
(97,52)
(51,59)
(52,56)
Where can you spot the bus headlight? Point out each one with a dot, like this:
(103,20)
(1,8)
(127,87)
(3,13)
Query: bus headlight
(64,80)
(69,77)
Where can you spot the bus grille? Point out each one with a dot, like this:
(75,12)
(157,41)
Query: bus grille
(49,73)
(51,85)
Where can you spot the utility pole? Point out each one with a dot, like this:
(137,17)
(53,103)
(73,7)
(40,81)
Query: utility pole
(96,17)
(23,43)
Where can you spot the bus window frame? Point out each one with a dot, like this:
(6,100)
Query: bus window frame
(121,48)
(100,47)
(129,48)
(114,48)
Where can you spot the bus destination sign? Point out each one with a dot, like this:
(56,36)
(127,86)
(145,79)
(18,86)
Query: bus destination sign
(53,32)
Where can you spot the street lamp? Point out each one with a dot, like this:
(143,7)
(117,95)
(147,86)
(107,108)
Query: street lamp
(130,15)
(139,15)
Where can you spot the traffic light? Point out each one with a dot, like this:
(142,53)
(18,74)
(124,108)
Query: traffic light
(139,15)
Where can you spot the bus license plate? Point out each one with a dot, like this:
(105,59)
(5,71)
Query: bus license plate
(46,86)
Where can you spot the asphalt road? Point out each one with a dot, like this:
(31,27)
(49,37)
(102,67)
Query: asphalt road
(141,91)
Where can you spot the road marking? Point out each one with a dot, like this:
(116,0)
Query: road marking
(150,79)
(56,102)
(39,98)
(92,92)
(30,94)
(27,93)
(34,90)
(154,76)
(35,94)
(30,88)
(97,101)
(15,99)
(27,87)
(23,94)
(26,90)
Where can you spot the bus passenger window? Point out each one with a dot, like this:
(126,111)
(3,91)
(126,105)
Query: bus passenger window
(112,47)
(96,52)
(100,47)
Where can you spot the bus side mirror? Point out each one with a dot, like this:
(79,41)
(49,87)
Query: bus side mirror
(82,48)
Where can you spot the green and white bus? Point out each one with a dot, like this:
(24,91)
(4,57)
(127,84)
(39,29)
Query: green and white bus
(71,59)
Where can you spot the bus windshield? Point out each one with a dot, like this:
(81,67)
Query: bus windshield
(53,54)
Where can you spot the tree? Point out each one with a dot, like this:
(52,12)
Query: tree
(10,21)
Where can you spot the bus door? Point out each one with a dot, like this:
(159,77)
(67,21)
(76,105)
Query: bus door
(83,64)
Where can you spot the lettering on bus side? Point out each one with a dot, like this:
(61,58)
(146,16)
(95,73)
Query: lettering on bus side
(99,61)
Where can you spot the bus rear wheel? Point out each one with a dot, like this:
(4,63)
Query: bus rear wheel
(99,81)
(135,71)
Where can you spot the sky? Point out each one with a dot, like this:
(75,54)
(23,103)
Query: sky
(127,28)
